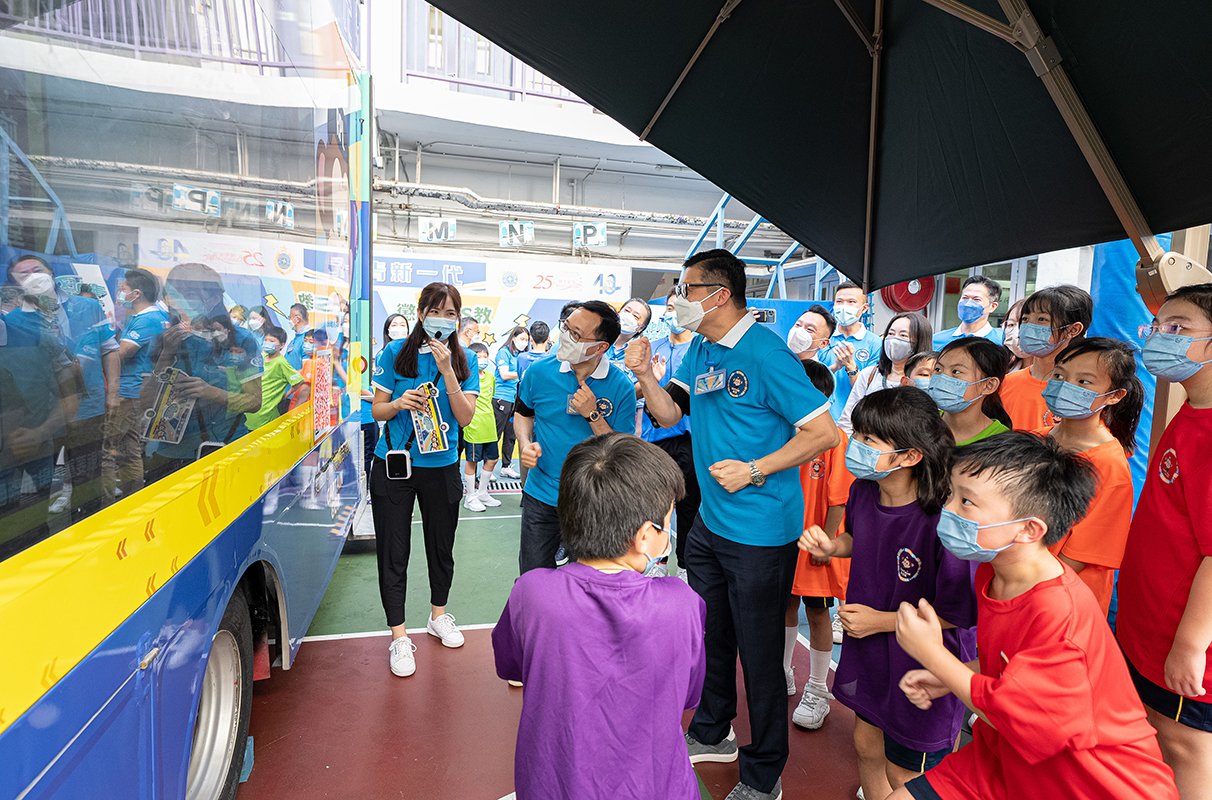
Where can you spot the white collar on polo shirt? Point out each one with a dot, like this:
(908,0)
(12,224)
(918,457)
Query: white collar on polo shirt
(599,372)
(738,330)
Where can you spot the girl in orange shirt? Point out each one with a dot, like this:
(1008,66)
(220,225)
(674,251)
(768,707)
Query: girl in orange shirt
(1098,398)
(1051,319)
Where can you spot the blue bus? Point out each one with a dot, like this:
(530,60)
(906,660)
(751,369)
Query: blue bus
(185,229)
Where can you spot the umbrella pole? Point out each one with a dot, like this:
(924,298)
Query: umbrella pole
(876,53)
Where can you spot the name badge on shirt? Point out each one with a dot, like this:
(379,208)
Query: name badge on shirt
(710,381)
(571,408)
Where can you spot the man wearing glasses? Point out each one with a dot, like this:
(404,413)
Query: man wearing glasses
(562,401)
(756,418)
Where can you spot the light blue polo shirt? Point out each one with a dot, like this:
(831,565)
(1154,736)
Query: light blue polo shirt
(545,389)
(386,378)
(766,397)
(85,332)
(673,355)
(294,351)
(944,338)
(506,390)
(141,329)
(866,352)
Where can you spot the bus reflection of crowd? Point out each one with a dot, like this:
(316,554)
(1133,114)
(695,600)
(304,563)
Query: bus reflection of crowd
(121,404)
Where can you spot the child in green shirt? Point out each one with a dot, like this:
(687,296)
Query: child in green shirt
(481,438)
(279,378)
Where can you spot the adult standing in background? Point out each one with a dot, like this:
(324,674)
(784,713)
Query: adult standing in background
(634,317)
(854,347)
(809,336)
(561,402)
(907,333)
(469,331)
(430,355)
(979,297)
(298,323)
(506,393)
(758,417)
(540,346)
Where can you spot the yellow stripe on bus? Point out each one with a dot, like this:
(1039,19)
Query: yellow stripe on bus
(60,598)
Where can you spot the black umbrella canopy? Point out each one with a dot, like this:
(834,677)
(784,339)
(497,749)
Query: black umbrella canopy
(973,161)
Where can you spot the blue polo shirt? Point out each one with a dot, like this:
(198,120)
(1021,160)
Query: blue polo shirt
(943,338)
(528,357)
(545,390)
(141,329)
(866,352)
(294,350)
(506,390)
(85,332)
(386,378)
(766,397)
(673,355)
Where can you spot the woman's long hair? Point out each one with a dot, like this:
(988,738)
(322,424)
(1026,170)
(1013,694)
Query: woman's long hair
(921,335)
(1119,361)
(513,334)
(906,418)
(432,296)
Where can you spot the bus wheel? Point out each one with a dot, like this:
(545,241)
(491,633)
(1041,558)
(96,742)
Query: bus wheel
(224,708)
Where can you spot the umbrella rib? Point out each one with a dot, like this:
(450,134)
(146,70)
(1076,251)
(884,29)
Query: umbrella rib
(857,23)
(725,12)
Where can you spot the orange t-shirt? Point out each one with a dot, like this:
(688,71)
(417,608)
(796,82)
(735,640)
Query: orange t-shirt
(826,482)
(1023,397)
(1099,539)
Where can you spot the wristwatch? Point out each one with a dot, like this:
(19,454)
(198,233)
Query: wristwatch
(594,416)
(851,372)
(755,475)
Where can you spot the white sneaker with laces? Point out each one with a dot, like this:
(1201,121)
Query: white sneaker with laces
(837,629)
(790,682)
(813,708)
(472,503)
(403,662)
(510,472)
(487,500)
(444,628)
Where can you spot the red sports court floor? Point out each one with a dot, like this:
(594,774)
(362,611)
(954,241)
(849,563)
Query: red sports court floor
(338,724)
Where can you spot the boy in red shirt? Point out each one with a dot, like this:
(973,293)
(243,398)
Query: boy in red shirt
(1057,714)
(1165,585)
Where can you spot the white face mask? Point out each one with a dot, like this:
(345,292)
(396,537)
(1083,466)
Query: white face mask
(690,313)
(629,324)
(800,340)
(255,324)
(345,330)
(897,349)
(573,352)
(38,283)
(397,332)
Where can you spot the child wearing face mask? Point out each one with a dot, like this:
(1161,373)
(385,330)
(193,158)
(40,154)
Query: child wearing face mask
(967,376)
(1051,319)
(919,369)
(602,716)
(277,382)
(1098,398)
(898,456)
(480,438)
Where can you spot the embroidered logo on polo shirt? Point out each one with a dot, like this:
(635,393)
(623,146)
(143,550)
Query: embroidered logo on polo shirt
(378,371)
(1167,466)
(908,565)
(605,407)
(862,355)
(816,469)
(738,383)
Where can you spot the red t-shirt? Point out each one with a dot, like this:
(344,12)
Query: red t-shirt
(826,482)
(1023,397)
(1169,539)
(1066,719)
(1098,540)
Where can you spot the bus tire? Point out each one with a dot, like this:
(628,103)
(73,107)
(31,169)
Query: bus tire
(224,708)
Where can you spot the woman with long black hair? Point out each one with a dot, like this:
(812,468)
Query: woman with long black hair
(408,372)
(506,393)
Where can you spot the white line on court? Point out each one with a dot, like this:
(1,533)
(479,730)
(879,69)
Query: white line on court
(804,641)
(476,519)
(332,637)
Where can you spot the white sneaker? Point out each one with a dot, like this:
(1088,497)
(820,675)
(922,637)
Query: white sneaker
(790,682)
(510,472)
(813,708)
(403,662)
(444,628)
(472,503)
(837,629)
(486,499)
(61,503)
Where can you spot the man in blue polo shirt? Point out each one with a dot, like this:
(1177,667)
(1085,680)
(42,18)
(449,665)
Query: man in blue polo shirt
(756,418)
(979,297)
(560,402)
(299,324)
(854,348)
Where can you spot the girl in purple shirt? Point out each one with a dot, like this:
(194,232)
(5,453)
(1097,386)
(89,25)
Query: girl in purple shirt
(899,453)
(608,657)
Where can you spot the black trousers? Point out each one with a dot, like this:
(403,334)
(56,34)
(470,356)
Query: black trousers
(438,490)
(370,439)
(540,537)
(679,449)
(746,589)
(503,411)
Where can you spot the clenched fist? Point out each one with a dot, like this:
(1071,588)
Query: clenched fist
(531,454)
(638,357)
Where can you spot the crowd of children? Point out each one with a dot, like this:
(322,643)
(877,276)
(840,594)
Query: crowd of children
(970,526)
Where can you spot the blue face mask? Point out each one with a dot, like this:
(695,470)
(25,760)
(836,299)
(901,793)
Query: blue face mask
(268,348)
(1070,401)
(958,534)
(1035,340)
(845,315)
(674,328)
(654,560)
(970,311)
(861,459)
(921,383)
(1165,355)
(125,303)
(947,392)
(440,327)
(309,348)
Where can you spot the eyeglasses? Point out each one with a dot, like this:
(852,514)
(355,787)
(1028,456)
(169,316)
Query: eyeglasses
(1145,331)
(573,336)
(683,289)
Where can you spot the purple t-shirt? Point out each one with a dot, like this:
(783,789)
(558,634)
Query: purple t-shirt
(898,558)
(609,662)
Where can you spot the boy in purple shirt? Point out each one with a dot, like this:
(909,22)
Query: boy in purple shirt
(602,714)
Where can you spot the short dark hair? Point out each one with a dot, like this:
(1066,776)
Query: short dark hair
(539,332)
(608,320)
(1038,477)
(143,282)
(1199,295)
(269,329)
(992,287)
(568,308)
(27,257)
(846,285)
(602,506)
(647,308)
(1066,304)
(917,358)
(478,347)
(302,309)
(722,267)
(830,320)
(820,375)
(906,418)
(467,322)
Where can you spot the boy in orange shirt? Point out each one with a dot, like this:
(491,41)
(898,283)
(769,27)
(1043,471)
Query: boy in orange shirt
(826,483)
(1051,319)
